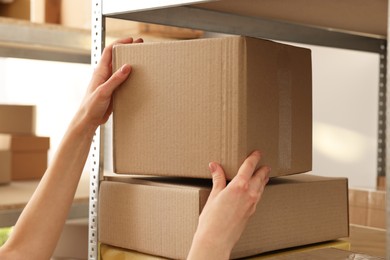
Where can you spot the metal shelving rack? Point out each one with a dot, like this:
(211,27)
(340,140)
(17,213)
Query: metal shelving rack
(189,14)
(21,39)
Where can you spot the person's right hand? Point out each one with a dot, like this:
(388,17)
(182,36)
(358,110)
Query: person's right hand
(228,209)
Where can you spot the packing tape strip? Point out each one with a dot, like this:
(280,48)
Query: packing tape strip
(285,119)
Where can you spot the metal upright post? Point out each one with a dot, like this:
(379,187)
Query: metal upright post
(381,155)
(387,95)
(96,153)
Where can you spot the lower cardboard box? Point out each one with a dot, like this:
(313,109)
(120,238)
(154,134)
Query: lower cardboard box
(107,252)
(159,216)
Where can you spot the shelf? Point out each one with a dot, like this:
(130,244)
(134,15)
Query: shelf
(261,19)
(15,196)
(22,39)
(351,24)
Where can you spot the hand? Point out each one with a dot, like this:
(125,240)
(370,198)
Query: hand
(97,104)
(228,209)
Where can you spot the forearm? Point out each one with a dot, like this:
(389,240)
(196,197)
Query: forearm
(41,222)
(205,249)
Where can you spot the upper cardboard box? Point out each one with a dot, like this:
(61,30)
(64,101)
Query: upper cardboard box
(17,119)
(187,103)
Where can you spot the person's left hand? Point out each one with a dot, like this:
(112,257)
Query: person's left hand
(96,106)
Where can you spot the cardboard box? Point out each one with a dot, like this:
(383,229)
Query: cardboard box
(358,207)
(5,167)
(159,216)
(108,252)
(377,209)
(325,253)
(28,155)
(191,102)
(17,119)
(18,9)
(368,207)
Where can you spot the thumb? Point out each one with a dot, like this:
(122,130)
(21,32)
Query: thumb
(219,179)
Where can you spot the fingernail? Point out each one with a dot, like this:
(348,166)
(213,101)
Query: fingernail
(257,152)
(125,69)
(212,167)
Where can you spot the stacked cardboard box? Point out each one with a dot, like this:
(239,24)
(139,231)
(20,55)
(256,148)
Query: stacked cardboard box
(108,252)
(189,103)
(23,155)
(159,217)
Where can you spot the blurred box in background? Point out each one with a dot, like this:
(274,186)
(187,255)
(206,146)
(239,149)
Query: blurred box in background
(5,167)
(17,119)
(367,207)
(28,155)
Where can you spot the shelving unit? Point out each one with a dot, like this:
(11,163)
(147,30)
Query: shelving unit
(355,25)
(15,196)
(21,39)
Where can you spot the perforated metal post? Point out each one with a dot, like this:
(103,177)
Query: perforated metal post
(387,95)
(96,153)
(381,163)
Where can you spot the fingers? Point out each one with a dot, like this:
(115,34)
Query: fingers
(104,69)
(107,52)
(260,178)
(115,80)
(248,167)
(139,40)
(219,179)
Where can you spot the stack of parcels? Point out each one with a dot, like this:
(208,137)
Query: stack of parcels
(192,102)
(23,154)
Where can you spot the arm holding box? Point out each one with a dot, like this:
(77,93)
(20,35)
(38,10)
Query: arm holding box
(37,231)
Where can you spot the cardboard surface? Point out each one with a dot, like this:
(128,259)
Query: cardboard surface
(28,155)
(368,240)
(191,102)
(108,252)
(368,207)
(17,119)
(5,167)
(24,143)
(325,254)
(159,217)
(19,9)
(358,206)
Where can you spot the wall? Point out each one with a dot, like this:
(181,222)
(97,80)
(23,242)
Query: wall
(345,109)
(55,87)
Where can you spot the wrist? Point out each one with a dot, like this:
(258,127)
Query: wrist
(81,127)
